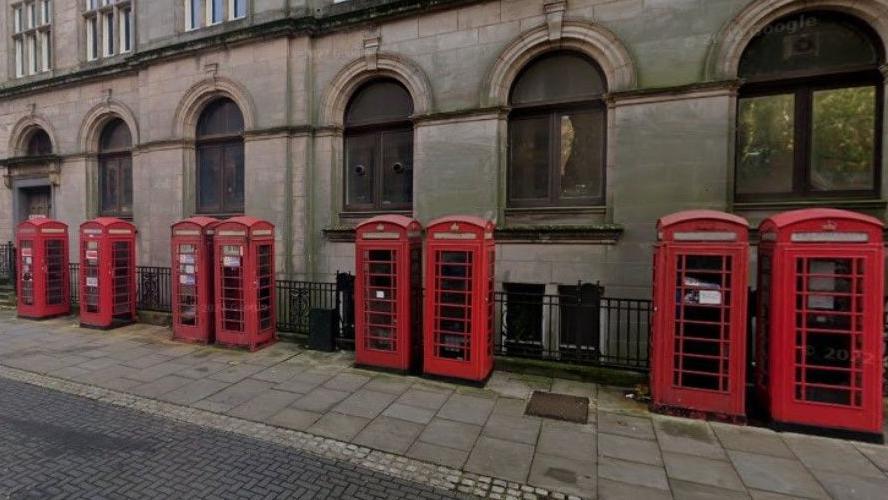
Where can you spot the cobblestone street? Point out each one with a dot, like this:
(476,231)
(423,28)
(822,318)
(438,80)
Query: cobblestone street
(184,419)
(56,445)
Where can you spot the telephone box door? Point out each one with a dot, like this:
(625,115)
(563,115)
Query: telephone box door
(385,281)
(192,251)
(108,273)
(43,269)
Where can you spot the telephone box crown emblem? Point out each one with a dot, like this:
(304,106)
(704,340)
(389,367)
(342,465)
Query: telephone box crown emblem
(454,227)
(830,225)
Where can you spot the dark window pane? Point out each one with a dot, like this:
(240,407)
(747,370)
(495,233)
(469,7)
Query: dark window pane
(765,144)
(39,143)
(359,169)
(379,101)
(581,154)
(843,143)
(209,178)
(109,185)
(221,117)
(233,178)
(529,158)
(809,43)
(558,77)
(126,185)
(397,167)
(115,136)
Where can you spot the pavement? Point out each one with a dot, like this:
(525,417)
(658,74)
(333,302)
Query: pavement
(77,448)
(465,440)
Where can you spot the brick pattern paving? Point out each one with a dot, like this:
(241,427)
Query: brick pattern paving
(59,446)
(456,438)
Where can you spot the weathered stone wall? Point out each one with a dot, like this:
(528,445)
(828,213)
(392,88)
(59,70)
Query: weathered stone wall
(670,136)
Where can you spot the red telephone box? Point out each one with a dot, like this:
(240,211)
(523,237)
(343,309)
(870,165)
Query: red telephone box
(699,333)
(107,273)
(192,262)
(458,335)
(388,254)
(820,322)
(243,248)
(43,269)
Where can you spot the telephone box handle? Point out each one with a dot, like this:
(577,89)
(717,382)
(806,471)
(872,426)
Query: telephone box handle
(398,168)
(360,170)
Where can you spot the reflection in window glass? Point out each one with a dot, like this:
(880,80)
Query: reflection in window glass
(577,179)
(359,160)
(765,144)
(529,150)
(843,144)
(397,167)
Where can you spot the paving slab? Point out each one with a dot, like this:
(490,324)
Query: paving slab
(567,440)
(160,386)
(683,490)
(278,373)
(292,418)
(775,474)
(500,458)
(264,405)
(391,385)
(147,360)
(389,434)
(320,399)
(467,409)
(194,391)
(649,476)
(831,455)
(878,455)
(450,434)
(441,455)
(511,407)
(846,487)
(694,469)
(751,439)
(364,403)
(629,449)
(691,437)
(577,477)
(349,382)
(409,413)
(625,425)
(157,371)
(201,369)
(421,398)
(238,393)
(339,426)
(575,388)
(615,490)
(304,382)
(770,495)
(237,372)
(520,429)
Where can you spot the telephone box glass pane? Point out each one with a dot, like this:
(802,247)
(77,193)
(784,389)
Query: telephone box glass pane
(844,139)
(453,317)
(122,278)
(56,261)
(829,330)
(265,281)
(380,299)
(702,321)
(232,288)
(91,276)
(27,272)
(188,283)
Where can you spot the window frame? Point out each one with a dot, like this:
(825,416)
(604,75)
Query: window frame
(105,28)
(802,89)
(31,37)
(552,110)
(107,157)
(203,144)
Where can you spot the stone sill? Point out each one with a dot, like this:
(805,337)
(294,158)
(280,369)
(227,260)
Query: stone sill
(851,203)
(603,234)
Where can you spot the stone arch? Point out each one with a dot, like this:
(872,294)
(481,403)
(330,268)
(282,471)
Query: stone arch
(359,71)
(21,134)
(723,59)
(202,93)
(596,42)
(96,119)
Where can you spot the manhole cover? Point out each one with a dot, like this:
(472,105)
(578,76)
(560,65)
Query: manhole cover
(558,406)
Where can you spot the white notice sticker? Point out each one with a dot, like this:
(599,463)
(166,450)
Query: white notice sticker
(380,294)
(710,297)
(92,281)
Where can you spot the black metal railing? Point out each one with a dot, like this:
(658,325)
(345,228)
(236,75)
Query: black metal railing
(575,325)
(153,287)
(7,262)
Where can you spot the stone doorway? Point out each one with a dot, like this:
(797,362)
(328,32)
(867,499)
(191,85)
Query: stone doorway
(36,201)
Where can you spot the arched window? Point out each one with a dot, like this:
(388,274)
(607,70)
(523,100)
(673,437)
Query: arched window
(810,110)
(379,148)
(557,132)
(39,143)
(116,170)
(220,159)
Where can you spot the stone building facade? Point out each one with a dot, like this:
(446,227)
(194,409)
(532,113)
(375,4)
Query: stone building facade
(125,107)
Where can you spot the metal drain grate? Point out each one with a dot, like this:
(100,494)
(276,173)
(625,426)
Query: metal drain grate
(558,406)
